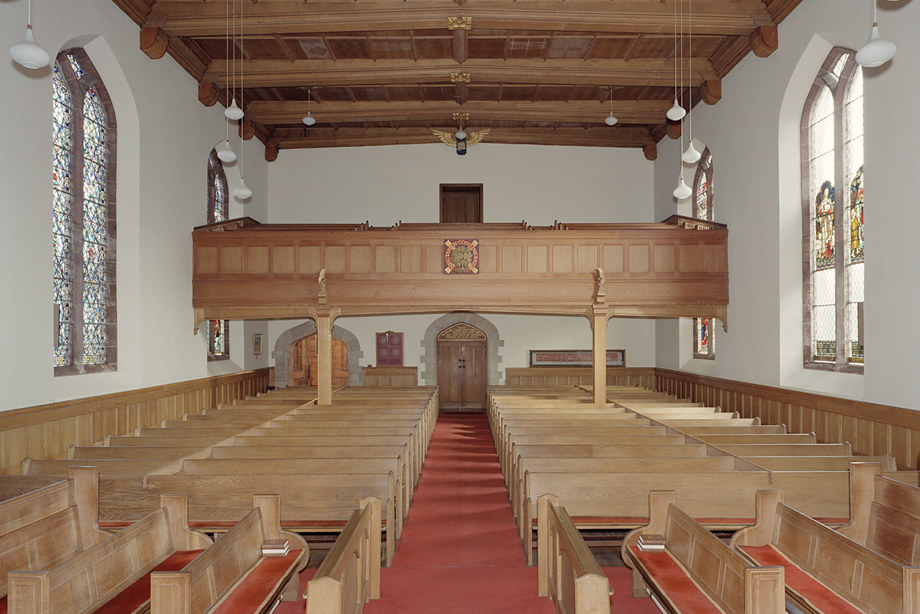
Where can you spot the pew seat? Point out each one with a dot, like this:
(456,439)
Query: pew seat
(113,576)
(232,576)
(696,573)
(826,572)
(42,528)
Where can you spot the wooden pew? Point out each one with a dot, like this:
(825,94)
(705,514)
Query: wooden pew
(615,500)
(40,529)
(312,503)
(826,571)
(885,514)
(567,572)
(697,573)
(126,453)
(349,576)
(114,572)
(231,576)
(36,466)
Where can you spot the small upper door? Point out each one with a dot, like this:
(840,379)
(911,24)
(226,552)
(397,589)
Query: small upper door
(461,203)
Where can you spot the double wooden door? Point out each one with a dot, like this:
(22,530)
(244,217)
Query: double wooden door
(305,360)
(462,369)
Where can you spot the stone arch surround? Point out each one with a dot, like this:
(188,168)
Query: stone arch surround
(282,352)
(430,345)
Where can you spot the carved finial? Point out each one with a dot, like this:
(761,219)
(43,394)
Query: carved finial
(322,287)
(600,295)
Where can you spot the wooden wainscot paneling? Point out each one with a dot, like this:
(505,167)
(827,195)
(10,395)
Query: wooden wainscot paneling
(46,431)
(871,428)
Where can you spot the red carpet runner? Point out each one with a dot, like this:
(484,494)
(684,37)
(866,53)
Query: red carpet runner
(460,551)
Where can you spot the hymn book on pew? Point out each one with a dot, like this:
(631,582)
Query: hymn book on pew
(651,543)
(275,547)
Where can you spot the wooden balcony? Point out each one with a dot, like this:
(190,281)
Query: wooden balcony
(247,270)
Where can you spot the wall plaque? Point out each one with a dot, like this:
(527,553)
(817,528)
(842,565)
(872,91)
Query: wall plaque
(461,256)
(574,358)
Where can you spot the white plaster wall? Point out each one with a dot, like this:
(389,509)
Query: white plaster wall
(532,183)
(164,136)
(755,152)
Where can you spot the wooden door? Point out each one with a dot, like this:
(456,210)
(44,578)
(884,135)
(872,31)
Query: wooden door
(461,203)
(304,360)
(462,368)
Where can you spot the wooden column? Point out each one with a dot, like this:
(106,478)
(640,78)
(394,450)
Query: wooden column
(324,354)
(599,324)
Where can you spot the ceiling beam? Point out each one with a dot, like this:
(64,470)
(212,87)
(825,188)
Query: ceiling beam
(282,73)
(355,137)
(717,17)
(292,112)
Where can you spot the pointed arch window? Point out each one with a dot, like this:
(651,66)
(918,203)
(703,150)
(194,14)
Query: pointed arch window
(218,202)
(83,217)
(703,343)
(833,259)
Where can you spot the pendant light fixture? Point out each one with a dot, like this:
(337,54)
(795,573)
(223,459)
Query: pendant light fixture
(877,51)
(224,151)
(611,119)
(676,112)
(690,155)
(234,112)
(242,191)
(308,119)
(682,190)
(28,53)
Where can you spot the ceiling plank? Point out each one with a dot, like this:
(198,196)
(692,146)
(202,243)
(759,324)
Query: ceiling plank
(282,73)
(720,17)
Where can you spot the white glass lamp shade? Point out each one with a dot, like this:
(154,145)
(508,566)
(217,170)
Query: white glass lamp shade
(226,153)
(233,111)
(691,155)
(676,112)
(460,134)
(28,53)
(308,119)
(877,51)
(611,120)
(682,190)
(242,191)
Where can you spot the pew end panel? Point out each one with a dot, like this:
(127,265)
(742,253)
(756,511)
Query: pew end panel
(567,571)
(350,574)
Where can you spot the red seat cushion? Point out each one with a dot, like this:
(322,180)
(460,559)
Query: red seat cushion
(138,593)
(3,605)
(260,585)
(808,588)
(674,582)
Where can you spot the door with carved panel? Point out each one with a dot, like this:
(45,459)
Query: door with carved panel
(304,362)
(462,368)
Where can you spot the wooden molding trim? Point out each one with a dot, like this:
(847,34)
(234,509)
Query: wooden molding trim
(207,93)
(765,40)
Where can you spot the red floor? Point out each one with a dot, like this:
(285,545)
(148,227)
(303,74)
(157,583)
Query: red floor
(460,551)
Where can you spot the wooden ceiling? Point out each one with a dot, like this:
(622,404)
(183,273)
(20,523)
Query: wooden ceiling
(390,71)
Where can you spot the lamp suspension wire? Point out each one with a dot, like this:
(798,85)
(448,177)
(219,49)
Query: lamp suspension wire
(690,73)
(227,55)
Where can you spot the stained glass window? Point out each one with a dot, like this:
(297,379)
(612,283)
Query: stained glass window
(218,330)
(83,220)
(832,129)
(703,346)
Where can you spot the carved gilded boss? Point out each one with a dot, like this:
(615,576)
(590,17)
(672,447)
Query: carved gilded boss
(461,256)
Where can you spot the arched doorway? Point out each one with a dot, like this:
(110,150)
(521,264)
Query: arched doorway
(304,361)
(284,355)
(462,368)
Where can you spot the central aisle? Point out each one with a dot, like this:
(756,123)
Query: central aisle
(460,551)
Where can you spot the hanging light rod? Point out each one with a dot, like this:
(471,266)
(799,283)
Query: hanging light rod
(611,120)
(28,53)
